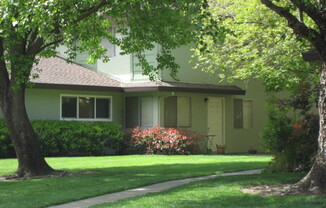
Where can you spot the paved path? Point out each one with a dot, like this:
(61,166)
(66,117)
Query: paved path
(144,190)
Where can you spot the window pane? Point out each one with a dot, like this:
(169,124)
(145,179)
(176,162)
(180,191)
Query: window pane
(184,112)
(86,107)
(69,107)
(247,114)
(102,108)
(132,114)
(170,111)
(146,112)
(238,113)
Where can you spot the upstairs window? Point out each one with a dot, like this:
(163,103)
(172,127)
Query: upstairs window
(85,107)
(243,113)
(113,50)
(177,111)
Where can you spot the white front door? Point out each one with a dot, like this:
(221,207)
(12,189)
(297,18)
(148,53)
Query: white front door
(215,122)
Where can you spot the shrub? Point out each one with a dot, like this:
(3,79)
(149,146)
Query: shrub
(64,138)
(303,143)
(278,129)
(300,148)
(159,140)
(6,147)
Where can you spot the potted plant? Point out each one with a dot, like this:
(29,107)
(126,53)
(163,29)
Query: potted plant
(220,149)
(252,151)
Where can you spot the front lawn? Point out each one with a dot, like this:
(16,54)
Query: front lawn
(112,174)
(222,192)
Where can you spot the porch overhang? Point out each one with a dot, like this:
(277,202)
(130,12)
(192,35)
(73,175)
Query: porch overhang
(311,55)
(184,87)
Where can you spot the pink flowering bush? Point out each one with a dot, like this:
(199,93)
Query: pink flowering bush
(160,140)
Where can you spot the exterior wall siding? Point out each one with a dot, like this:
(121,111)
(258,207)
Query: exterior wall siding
(237,140)
(44,104)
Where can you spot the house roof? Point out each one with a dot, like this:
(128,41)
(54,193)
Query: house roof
(56,73)
(311,55)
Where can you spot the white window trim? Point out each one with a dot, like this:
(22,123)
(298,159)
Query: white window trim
(86,119)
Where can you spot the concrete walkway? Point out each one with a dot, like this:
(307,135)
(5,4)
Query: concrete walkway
(145,190)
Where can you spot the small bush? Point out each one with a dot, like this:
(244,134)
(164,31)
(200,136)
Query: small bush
(159,140)
(278,129)
(64,138)
(300,148)
(6,147)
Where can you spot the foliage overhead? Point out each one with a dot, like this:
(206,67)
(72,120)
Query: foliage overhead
(35,28)
(258,44)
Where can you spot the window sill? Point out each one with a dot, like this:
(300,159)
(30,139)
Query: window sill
(84,119)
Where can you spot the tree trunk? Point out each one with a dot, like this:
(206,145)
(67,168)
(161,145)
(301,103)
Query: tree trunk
(315,181)
(31,161)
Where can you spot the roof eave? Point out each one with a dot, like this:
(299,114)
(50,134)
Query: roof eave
(76,87)
(185,89)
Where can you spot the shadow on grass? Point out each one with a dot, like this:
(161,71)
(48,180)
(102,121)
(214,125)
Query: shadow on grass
(223,192)
(49,191)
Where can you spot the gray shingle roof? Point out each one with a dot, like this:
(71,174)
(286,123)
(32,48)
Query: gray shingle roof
(56,73)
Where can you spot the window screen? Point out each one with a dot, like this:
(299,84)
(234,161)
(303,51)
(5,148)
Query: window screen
(86,107)
(132,112)
(243,113)
(103,108)
(81,107)
(184,111)
(170,111)
(238,113)
(177,111)
(69,107)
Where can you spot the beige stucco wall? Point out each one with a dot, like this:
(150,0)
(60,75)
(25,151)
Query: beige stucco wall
(187,73)
(119,67)
(236,140)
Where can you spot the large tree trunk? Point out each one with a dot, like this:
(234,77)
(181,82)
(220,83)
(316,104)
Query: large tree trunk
(31,161)
(315,181)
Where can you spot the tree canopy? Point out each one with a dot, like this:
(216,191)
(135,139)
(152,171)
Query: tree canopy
(39,26)
(258,44)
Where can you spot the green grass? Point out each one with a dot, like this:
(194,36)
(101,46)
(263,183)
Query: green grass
(222,192)
(112,174)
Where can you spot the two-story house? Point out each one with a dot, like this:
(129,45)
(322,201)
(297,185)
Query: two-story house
(231,114)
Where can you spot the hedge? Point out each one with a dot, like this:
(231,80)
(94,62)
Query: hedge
(67,138)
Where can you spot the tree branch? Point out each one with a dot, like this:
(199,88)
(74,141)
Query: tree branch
(91,11)
(38,44)
(312,11)
(34,43)
(50,44)
(298,27)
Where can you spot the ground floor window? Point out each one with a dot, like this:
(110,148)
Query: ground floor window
(243,113)
(177,111)
(85,107)
(140,111)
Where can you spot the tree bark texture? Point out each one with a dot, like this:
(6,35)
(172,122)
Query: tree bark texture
(27,146)
(315,180)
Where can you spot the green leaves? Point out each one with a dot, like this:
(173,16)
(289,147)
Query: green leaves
(37,27)
(257,44)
